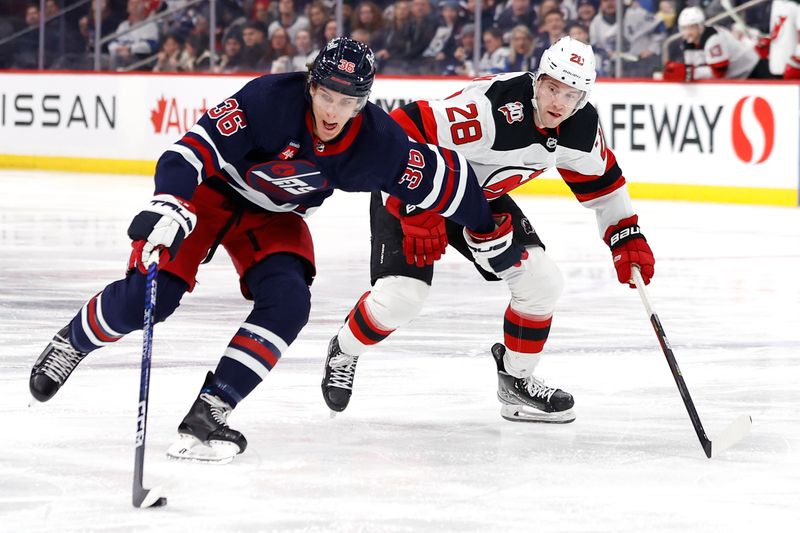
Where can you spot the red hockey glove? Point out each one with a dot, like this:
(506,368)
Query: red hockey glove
(159,230)
(677,71)
(496,251)
(792,70)
(629,247)
(424,234)
(762,47)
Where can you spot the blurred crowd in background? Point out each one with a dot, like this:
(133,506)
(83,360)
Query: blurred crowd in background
(409,37)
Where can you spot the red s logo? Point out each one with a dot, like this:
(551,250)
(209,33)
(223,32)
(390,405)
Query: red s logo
(760,110)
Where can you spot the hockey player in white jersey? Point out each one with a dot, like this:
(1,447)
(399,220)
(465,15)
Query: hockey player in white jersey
(511,128)
(784,49)
(712,52)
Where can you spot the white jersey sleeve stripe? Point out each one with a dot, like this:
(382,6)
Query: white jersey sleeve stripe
(438,180)
(461,186)
(198,130)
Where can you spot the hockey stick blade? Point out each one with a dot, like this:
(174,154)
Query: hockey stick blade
(149,498)
(736,431)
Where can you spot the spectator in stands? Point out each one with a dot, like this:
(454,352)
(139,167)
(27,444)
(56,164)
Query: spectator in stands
(169,54)
(318,16)
(546,6)
(331,30)
(519,12)
(520,55)
(603,29)
(232,18)
(231,58)
(255,47)
(27,44)
(262,13)
(438,57)
(668,15)
(552,27)
(135,44)
(368,16)
(195,57)
(495,55)
(288,19)
(585,12)
(279,52)
(643,34)
(292,60)
(396,38)
(463,55)
(488,9)
(423,28)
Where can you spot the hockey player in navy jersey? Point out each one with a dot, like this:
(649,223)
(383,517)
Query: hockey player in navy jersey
(511,128)
(244,177)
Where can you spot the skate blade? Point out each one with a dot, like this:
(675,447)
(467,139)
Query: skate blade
(521,413)
(189,448)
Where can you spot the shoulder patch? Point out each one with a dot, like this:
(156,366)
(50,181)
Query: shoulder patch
(512,112)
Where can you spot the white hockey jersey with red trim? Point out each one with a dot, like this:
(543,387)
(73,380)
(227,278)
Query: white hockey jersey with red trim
(720,55)
(784,28)
(491,123)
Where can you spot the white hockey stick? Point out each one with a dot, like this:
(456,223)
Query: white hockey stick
(737,430)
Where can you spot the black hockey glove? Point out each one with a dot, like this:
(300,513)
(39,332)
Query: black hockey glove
(159,230)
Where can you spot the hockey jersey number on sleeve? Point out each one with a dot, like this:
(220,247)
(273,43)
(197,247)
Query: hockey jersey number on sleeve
(441,180)
(229,118)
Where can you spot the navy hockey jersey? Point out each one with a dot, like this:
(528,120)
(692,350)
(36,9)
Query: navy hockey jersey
(260,142)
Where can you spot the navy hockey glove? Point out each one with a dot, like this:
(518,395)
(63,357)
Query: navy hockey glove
(159,230)
(496,251)
(629,247)
(424,234)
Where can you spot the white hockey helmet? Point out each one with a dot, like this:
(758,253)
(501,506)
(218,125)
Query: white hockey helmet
(568,61)
(690,16)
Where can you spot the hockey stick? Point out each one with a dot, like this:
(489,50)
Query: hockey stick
(143,497)
(737,430)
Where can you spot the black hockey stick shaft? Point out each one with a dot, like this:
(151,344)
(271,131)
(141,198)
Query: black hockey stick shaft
(672,362)
(151,287)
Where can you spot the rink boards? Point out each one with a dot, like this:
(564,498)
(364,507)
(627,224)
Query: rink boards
(715,141)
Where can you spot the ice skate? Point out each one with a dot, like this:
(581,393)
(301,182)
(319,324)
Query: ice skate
(340,372)
(204,435)
(529,399)
(54,365)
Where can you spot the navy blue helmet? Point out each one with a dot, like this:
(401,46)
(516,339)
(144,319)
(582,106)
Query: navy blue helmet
(345,66)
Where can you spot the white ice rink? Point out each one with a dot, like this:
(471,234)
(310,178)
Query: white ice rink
(422,446)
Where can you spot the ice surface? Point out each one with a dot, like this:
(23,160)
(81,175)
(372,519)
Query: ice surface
(422,446)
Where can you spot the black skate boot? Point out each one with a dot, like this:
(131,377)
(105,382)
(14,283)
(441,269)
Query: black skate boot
(54,366)
(204,435)
(529,399)
(340,372)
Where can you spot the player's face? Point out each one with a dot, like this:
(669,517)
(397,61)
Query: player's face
(331,111)
(555,102)
(691,33)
